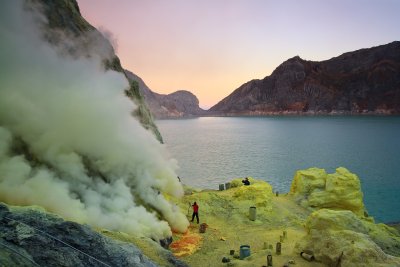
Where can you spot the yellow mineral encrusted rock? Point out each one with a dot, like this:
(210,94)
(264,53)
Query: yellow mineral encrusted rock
(317,189)
(306,181)
(258,193)
(340,238)
(335,220)
(234,203)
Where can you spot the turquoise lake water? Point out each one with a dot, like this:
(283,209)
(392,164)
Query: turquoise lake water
(215,150)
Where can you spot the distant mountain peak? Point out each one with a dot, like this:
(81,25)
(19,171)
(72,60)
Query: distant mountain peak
(295,58)
(179,104)
(365,81)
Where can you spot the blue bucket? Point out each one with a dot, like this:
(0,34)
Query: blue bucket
(244,251)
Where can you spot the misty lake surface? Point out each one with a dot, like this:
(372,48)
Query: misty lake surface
(213,150)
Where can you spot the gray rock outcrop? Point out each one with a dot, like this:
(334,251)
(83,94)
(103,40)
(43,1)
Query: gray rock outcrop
(33,238)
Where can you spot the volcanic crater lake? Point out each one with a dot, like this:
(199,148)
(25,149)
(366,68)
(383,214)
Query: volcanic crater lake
(213,150)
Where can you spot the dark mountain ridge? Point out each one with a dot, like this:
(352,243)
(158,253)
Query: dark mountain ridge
(179,104)
(366,81)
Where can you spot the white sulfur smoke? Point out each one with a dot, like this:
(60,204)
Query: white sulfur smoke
(90,160)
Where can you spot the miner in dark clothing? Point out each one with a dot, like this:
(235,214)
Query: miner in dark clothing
(246,181)
(195,212)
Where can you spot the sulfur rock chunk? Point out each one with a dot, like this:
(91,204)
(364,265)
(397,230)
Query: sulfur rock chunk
(340,238)
(258,193)
(335,220)
(306,181)
(317,189)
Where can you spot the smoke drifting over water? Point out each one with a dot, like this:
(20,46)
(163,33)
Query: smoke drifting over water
(68,141)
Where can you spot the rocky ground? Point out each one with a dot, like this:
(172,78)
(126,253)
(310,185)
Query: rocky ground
(323,215)
(31,237)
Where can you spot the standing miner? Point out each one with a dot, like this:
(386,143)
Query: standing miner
(195,212)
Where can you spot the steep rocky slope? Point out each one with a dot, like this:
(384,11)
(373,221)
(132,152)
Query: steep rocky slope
(68,139)
(31,237)
(64,21)
(175,105)
(70,145)
(362,81)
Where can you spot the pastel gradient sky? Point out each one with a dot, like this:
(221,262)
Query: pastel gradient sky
(211,47)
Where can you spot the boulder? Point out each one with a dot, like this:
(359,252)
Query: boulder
(316,189)
(340,238)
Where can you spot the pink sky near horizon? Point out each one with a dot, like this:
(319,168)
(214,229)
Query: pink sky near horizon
(211,47)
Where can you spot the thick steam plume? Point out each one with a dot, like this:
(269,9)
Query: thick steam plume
(68,141)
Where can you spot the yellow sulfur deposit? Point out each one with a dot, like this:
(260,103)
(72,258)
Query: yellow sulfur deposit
(340,238)
(232,204)
(259,194)
(317,189)
(323,215)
